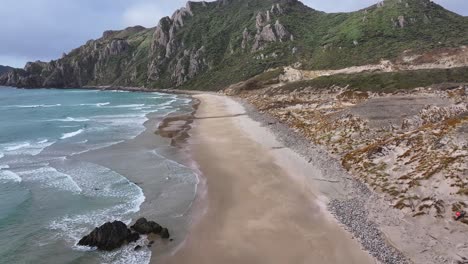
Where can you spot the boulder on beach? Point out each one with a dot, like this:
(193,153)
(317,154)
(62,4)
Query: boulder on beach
(109,236)
(145,227)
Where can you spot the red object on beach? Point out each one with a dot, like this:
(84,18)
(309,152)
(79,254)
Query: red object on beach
(459,215)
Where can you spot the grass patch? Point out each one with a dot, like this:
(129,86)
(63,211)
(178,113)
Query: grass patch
(385,81)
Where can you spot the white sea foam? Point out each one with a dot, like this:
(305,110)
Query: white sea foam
(72,134)
(3,167)
(101,182)
(72,119)
(26,148)
(98,104)
(34,106)
(114,91)
(127,106)
(168,103)
(96,146)
(18,146)
(52,178)
(128,255)
(6,175)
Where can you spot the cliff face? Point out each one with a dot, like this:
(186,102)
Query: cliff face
(209,45)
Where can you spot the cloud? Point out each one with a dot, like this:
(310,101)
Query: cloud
(143,14)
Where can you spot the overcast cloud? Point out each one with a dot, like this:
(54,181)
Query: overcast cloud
(44,29)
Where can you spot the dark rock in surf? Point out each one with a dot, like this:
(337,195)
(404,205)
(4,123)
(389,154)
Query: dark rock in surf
(165,233)
(109,236)
(145,227)
(134,236)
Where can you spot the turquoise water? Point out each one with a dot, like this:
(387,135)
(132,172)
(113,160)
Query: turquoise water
(47,200)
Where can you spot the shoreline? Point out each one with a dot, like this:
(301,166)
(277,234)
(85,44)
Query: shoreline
(348,208)
(271,212)
(152,153)
(178,134)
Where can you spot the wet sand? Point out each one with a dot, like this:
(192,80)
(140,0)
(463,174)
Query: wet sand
(250,207)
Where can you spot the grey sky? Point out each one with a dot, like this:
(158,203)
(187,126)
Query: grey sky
(44,29)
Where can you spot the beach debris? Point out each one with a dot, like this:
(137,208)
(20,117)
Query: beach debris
(109,236)
(459,215)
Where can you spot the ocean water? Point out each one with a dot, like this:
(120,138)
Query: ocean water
(49,200)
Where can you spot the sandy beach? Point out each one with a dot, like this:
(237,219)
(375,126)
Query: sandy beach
(255,205)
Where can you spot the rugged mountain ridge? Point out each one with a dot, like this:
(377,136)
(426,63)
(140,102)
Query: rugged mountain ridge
(4,69)
(209,45)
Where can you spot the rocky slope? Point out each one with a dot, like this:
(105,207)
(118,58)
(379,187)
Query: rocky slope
(408,144)
(209,45)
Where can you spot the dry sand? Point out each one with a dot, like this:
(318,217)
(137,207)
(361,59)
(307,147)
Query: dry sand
(254,204)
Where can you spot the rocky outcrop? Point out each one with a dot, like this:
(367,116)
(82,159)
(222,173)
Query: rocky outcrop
(276,9)
(109,236)
(114,235)
(115,47)
(191,63)
(245,38)
(270,33)
(145,227)
(165,44)
(266,31)
(282,33)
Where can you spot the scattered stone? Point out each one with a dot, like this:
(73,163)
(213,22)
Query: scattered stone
(138,248)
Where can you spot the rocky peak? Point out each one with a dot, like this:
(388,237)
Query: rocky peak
(161,34)
(108,33)
(281,32)
(276,9)
(35,67)
(261,20)
(267,33)
(179,16)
